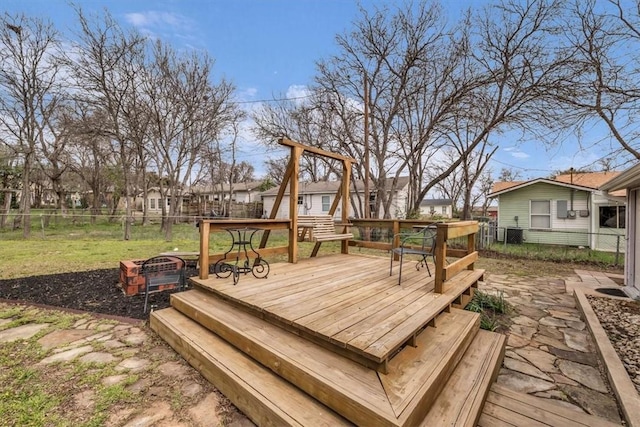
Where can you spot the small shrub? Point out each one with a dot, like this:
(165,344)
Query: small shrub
(492,309)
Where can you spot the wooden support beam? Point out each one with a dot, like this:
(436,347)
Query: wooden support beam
(346,182)
(441,258)
(203,262)
(277,202)
(294,184)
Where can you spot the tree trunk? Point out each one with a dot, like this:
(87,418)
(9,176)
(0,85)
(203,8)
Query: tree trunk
(8,196)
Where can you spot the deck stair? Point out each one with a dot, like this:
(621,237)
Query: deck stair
(278,374)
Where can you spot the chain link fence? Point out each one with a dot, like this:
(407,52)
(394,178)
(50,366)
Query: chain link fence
(560,245)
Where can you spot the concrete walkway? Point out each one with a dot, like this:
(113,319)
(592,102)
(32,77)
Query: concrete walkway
(550,353)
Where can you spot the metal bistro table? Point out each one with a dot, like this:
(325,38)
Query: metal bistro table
(241,243)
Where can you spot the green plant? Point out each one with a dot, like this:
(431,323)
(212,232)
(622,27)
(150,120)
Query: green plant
(492,309)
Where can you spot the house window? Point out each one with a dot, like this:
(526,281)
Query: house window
(300,200)
(444,210)
(152,203)
(326,202)
(159,200)
(612,217)
(540,214)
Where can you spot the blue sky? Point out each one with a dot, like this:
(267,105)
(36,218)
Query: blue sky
(268,48)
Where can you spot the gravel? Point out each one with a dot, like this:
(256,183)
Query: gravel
(621,321)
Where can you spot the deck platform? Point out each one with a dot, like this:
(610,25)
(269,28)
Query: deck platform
(347,302)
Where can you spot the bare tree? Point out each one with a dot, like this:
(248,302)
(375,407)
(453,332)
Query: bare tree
(187,113)
(601,79)
(509,175)
(10,175)
(276,169)
(91,157)
(104,63)
(304,121)
(29,93)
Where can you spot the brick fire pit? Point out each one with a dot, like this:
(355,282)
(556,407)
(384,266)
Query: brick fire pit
(132,281)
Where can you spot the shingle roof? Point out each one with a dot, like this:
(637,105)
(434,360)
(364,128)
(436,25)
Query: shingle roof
(436,202)
(588,180)
(591,179)
(503,185)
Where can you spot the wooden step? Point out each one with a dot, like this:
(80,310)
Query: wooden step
(506,407)
(400,398)
(264,397)
(462,399)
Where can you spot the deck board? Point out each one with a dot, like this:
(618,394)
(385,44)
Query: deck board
(265,398)
(350,301)
(520,409)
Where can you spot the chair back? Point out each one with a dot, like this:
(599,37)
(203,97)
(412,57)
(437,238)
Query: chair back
(429,234)
(162,271)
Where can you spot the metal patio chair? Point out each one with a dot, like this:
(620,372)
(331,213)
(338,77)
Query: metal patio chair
(163,272)
(421,243)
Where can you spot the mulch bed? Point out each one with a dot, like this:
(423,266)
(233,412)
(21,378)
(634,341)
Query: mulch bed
(95,291)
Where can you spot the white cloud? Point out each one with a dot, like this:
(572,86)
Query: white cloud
(167,24)
(247,94)
(520,155)
(516,152)
(298,91)
(156,19)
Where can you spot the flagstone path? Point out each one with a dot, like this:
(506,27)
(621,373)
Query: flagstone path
(549,354)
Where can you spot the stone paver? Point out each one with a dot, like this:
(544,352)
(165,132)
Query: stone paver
(171,392)
(22,332)
(549,353)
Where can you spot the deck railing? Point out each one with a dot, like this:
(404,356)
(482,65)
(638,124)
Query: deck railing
(454,240)
(207,226)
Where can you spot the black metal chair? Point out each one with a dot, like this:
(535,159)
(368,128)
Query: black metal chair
(161,272)
(421,243)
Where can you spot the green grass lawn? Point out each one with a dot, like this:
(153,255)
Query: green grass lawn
(68,244)
(85,247)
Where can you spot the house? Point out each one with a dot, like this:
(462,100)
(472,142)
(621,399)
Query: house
(440,208)
(569,209)
(155,200)
(629,181)
(315,198)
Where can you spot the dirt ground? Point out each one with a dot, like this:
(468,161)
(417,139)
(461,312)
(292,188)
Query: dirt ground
(95,291)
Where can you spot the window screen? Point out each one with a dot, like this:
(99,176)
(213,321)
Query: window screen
(540,214)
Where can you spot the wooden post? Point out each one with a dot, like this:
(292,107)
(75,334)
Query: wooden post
(296,152)
(396,239)
(277,202)
(471,247)
(441,257)
(204,250)
(346,182)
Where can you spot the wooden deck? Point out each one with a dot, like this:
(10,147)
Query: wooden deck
(348,302)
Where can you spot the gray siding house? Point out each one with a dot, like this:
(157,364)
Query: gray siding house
(567,210)
(629,181)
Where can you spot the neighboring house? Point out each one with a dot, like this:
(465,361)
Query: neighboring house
(629,180)
(567,210)
(242,192)
(155,200)
(315,198)
(441,208)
